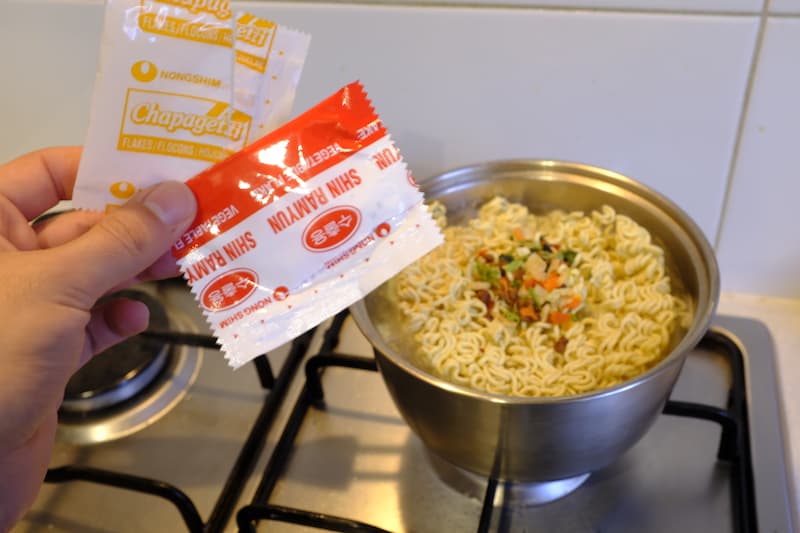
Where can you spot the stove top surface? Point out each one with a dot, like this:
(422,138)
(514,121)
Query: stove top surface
(354,457)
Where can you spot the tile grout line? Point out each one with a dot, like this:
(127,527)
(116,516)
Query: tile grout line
(737,145)
(466,4)
(462,4)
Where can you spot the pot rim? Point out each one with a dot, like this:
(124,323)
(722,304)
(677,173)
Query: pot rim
(700,321)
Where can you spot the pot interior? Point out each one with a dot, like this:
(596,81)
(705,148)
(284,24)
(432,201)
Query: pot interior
(544,186)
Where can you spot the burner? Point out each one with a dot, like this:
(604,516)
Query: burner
(124,370)
(132,385)
(514,494)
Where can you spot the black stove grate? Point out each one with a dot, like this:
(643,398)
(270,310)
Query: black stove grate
(248,456)
(734,447)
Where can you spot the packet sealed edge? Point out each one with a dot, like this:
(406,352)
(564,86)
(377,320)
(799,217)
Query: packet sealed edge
(269,62)
(301,224)
(164,103)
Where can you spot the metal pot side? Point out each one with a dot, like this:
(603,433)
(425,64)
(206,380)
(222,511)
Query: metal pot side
(519,442)
(541,439)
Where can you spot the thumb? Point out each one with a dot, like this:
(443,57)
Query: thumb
(126,241)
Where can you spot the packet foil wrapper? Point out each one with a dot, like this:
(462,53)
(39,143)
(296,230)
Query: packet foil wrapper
(301,224)
(181,85)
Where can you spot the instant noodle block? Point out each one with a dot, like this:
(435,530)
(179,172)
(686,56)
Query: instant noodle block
(301,224)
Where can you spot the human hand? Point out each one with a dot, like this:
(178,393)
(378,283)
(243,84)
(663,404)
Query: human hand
(52,275)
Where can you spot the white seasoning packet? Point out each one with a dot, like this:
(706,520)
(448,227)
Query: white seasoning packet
(300,225)
(269,59)
(164,104)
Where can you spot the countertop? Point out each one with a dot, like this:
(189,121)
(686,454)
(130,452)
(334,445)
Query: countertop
(782,317)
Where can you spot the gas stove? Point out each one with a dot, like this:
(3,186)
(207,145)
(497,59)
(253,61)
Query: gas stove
(306,438)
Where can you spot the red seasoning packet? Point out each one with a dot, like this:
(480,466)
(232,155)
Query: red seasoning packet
(301,224)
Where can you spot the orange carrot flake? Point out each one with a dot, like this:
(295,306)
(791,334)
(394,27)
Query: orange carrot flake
(574,303)
(528,312)
(558,318)
(552,282)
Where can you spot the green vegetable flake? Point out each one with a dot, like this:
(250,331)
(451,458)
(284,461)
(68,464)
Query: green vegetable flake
(514,265)
(568,256)
(487,272)
(513,316)
(536,301)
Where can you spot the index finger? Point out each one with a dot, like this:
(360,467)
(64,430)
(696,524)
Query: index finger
(37,181)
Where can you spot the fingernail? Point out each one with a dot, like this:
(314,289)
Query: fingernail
(171,201)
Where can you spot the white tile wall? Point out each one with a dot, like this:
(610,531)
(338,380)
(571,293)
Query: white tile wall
(759,250)
(785,6)
(706,6)
(657,96)
(618,90)
(48,60)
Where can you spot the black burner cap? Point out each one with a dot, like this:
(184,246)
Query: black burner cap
(100,382)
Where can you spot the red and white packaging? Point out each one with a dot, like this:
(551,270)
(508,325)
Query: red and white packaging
(301,224)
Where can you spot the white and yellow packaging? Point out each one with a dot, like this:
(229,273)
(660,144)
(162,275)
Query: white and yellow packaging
(172,95)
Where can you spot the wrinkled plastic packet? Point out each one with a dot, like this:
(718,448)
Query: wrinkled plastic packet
(301,224)
(181,85)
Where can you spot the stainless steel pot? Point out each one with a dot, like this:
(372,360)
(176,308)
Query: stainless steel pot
(544,439)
